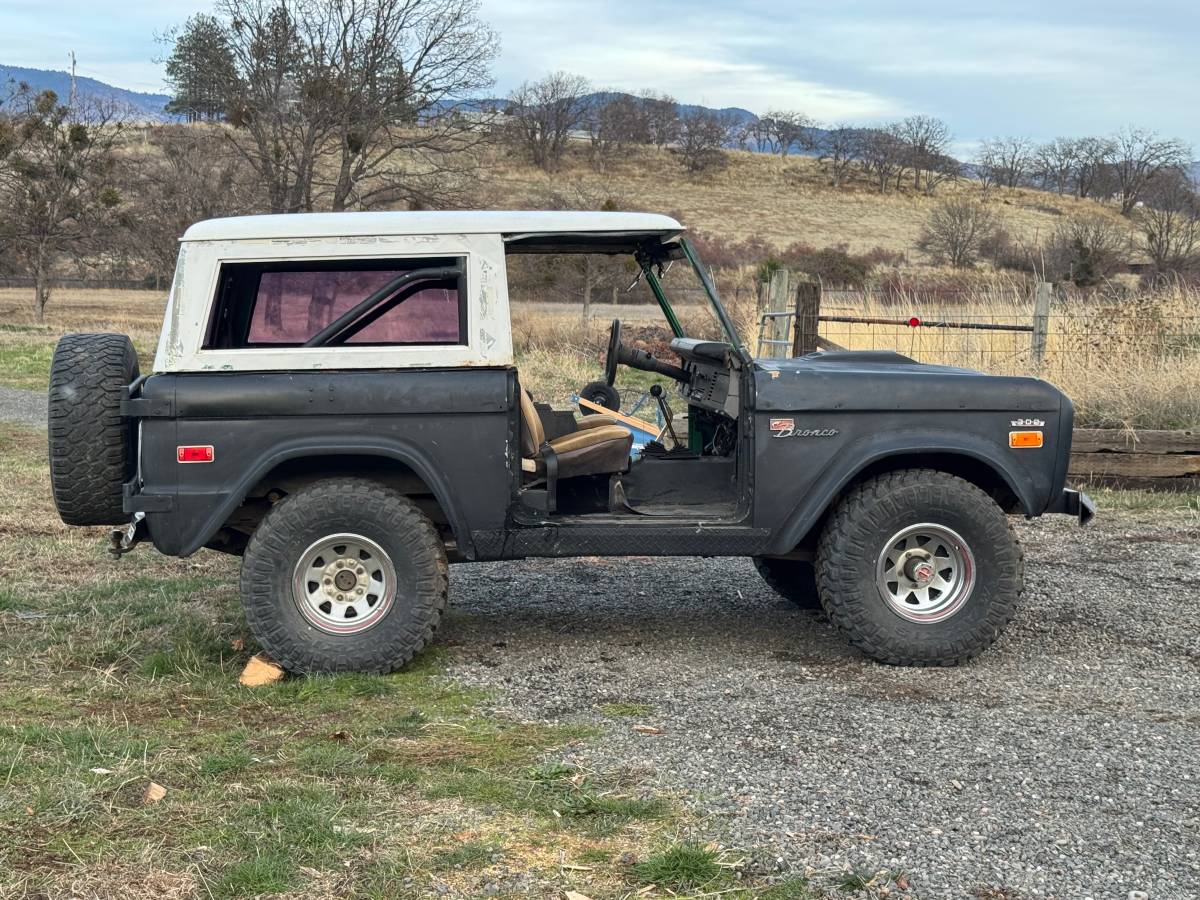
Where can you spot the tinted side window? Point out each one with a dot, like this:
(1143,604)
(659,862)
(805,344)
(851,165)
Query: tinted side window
(283,305)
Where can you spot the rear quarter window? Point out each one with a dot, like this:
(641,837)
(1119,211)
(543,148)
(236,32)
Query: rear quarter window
(285,305)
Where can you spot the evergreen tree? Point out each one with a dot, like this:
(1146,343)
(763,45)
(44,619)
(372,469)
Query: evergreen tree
(200,70)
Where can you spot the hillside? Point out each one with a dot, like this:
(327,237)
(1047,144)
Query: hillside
(148,107)
(781,201)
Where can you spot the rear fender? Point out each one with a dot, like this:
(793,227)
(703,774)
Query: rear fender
(383,448)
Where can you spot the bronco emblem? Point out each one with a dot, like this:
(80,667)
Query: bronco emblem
(786,428)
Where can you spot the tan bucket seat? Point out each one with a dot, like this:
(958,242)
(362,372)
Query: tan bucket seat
(598,447)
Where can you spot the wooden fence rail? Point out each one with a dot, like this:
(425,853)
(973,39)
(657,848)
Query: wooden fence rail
(1162,460)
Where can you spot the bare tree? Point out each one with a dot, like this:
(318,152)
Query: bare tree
(956,230)
(275,105)
(58,184)
(340,103)
(782,131)
(191,174)
(1169,223)
(1138,158)
(756,132)
(662,118)
(940,169)
(1086,249)
(543,114)
(1054,164)
(702,137)
(1006,161)
(927,143)
(1093,164)
(615,124)
(839,150)
(396,71)
(882,156)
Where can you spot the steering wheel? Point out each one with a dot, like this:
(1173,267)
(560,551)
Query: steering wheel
(610,358)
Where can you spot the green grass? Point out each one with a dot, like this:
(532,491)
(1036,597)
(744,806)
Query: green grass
(1144,501)
(26,363)
(25,354)
(625,710)
(681,867)
(798,888)
(120,673)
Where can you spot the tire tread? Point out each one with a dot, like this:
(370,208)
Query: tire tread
(837,553)
(90,444)
(271,545)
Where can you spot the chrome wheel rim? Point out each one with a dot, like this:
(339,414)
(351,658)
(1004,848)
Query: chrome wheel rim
(925,573)
(344,584)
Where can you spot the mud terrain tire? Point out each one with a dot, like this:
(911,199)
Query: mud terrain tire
(91,446)
(281,582)
(869,601)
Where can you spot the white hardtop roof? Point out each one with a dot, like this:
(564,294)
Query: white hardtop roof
(372,224)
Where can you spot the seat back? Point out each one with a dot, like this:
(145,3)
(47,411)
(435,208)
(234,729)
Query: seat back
(532,434)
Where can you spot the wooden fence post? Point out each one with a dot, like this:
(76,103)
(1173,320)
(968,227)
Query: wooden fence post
(1041,321)
(807,320)
(777,301)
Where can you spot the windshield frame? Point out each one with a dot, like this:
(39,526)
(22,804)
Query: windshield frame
(711,290)
(651,264)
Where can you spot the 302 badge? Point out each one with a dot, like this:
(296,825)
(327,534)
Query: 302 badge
(786,428)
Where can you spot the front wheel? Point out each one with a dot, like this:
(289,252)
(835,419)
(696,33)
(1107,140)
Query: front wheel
(919,568)
(346,575)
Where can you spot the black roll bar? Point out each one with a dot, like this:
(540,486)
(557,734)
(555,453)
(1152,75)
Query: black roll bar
(343,322)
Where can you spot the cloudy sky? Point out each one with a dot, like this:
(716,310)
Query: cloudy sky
(1032,67)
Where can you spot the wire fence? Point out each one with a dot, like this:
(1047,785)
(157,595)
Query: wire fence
(1036,332)
(59,283)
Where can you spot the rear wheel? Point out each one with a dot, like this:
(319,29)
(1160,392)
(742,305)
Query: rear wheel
(793,579)
(344,576)
(919,568)
(91,445)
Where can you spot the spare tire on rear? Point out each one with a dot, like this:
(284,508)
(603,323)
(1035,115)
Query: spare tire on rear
(91,445)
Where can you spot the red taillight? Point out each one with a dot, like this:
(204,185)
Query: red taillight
(198,454)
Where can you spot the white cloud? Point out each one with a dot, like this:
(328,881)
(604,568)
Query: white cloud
(707,57)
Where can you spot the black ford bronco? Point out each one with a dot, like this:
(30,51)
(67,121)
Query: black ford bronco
(334,398)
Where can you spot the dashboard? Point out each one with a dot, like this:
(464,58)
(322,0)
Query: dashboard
(709,367)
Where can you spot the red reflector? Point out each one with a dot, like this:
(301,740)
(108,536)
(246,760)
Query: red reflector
(198,454)
(914,322)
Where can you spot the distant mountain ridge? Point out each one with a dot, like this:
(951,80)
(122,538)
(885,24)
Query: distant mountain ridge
(151,106)
(146,105)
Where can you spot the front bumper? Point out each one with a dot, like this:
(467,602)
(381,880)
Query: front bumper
(1074,503)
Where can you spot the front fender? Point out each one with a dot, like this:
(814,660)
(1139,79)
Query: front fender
(841,468)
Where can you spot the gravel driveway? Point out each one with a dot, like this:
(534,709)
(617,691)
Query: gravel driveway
(26,407)
(1062,763)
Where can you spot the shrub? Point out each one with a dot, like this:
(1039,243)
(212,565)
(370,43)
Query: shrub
(955,232)
(1086,250)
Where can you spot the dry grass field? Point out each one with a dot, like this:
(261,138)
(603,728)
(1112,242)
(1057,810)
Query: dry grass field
(782,201)
(1132,365)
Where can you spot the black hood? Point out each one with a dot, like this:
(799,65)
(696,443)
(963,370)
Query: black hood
(885,380)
